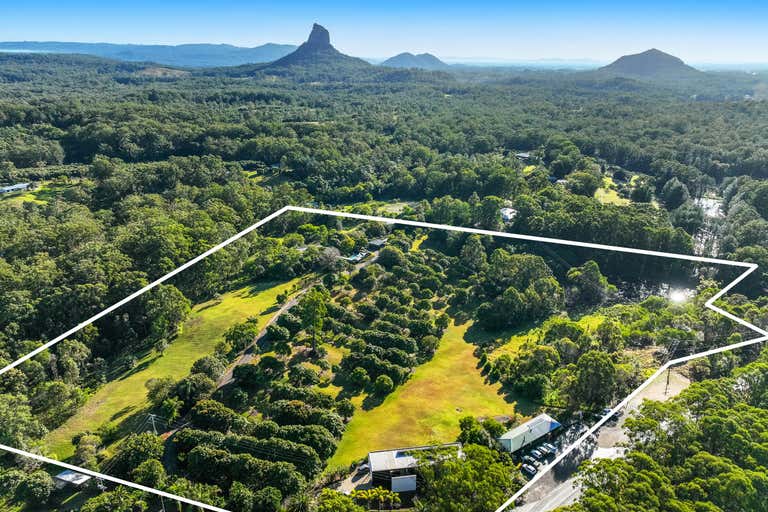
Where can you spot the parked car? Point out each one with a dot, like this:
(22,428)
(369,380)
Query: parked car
(529,470)
(550,447)
(527,459)
(536,454)
(613,419)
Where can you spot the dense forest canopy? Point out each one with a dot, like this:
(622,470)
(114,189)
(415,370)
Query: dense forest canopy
(136,168)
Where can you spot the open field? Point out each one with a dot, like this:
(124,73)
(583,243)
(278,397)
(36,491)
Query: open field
(44,192)
(427,408)
(588,322)
(203,330)
(607,194)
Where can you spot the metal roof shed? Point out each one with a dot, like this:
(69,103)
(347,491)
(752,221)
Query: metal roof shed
(529,432)
(70,477)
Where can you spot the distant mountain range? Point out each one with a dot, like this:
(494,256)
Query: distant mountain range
(420,61)
(317,56)
(651,64)
(185,55)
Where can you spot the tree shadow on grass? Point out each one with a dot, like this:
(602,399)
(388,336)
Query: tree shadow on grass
(371,401)
(523,404)
(208,305)
(132,423)
(122,412)
(496,338)
(255,288)
(271,309)
(139,367)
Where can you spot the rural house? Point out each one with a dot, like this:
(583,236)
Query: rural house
(396,469)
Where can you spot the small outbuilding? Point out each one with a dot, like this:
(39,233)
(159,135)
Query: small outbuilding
(396,469)
(508,214)
(528,433)
(70,478)
(357,257)
(15,188)
(377,243)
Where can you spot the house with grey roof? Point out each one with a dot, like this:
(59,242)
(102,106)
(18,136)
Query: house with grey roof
(396,469)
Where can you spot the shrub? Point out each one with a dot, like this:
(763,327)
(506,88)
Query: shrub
(383,385)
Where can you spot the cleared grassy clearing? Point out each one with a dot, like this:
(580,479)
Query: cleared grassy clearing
(45,192)
(588,322)
(416,245)
(427,408)
(607,194)
(203,330)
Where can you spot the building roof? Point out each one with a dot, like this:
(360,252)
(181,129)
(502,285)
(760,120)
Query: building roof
(18,186)
(377,242)
(358,256)
(508,213)
(403,458)
(530,431)
(71,477)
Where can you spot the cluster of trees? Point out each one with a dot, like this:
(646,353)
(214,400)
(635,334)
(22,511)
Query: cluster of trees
(701,450)
(396,324)
(744,230)
(108,236)
(567,365)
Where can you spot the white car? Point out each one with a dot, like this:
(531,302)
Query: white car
(528,469)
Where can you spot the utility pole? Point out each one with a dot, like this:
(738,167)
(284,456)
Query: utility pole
(670,352)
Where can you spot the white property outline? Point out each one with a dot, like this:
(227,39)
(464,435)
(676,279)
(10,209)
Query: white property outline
(749,268)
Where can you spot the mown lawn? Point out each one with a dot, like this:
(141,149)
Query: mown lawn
(427,408)
(126,395)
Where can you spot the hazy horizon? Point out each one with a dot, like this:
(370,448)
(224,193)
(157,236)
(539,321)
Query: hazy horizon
(487,31)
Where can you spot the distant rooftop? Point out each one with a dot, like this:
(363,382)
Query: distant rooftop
(13,188)
(508,214)
(72,477)
(378,242)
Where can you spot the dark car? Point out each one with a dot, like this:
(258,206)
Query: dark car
(529,470)
(614,418)
(536,454)
(527,459)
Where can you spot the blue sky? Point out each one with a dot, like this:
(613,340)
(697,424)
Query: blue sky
(697,31)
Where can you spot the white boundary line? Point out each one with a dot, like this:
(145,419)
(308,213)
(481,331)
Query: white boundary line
(750,267)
